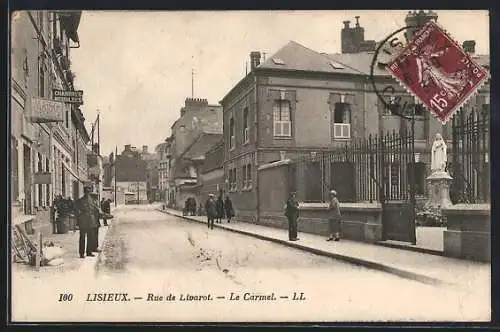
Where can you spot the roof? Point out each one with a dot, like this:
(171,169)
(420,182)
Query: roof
(361,62)
(294,56)
(203,144)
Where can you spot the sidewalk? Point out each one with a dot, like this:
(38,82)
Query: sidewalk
(426,268)
(72,261)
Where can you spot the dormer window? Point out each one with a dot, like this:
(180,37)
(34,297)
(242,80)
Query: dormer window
(278,61)
(336,65)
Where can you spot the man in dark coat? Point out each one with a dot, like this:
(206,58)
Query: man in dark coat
(220,209)
(86,215)
(335,219)
(292,213)
(228,206)
(211,210)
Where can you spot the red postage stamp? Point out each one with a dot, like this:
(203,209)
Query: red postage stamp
(435,69)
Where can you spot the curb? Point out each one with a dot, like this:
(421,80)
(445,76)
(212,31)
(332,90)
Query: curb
(348,259)
(413,249)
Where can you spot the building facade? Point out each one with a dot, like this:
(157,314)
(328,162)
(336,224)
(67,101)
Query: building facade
(48,138)
(300,101)
(193,134)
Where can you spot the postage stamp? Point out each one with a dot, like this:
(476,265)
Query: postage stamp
(437,71)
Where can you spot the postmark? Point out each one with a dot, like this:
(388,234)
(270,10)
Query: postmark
(437,71)
(390,46)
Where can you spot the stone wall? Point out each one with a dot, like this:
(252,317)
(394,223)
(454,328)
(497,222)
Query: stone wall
(360,221)
(468,233)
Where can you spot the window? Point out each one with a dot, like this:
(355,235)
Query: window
(282,118)
(40,186)
(40,21)
(247,176)
(419,110)
(336,65)
(232,179)
(66,119)
(47,186)
(278,61)
(342,119)
(41,77)
(232,138)
(246,137)
(14,165)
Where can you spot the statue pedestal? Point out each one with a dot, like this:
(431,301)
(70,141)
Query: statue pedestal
(439,190)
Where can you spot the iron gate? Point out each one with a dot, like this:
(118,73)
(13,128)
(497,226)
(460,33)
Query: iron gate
(377,169)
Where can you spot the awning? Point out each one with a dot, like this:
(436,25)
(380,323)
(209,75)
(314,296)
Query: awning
(72,173)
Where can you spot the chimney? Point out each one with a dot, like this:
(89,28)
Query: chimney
(469,46)
(357,21)
(128,147)
(144,149)
(346,24)
(254,60)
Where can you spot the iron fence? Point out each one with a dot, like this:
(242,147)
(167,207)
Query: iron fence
(379,168)
(469,167)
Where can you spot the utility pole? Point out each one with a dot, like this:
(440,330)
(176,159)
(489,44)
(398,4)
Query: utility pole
(115,164)
(192,83)
(98,151)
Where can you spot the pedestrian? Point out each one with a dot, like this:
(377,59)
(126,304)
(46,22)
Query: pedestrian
(86,216)
(228,206)
(106,209)
(211,210)
(335,219)
(220,209)
(292,213)
(102,205)
(98,214)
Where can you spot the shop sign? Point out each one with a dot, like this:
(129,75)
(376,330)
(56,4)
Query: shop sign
(47,110)
(73,97)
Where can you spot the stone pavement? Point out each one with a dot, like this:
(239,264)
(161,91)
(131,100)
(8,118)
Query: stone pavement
(427,268)
(72,261)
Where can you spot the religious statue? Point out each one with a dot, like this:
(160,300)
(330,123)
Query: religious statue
(438,155)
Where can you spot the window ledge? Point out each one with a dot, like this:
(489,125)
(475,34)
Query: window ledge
(283,137)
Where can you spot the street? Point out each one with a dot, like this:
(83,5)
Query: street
(153,256)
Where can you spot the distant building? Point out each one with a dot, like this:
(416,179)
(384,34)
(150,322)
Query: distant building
(131,176)
(198,121)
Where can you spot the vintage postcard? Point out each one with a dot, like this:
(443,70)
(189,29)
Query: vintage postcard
(250,166)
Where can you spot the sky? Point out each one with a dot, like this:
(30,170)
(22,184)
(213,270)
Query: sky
(135,67)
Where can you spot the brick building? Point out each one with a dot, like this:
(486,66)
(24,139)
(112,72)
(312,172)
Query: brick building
(302,101)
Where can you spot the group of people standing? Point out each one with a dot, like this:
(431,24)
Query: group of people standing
(334,220)
(88,215)
(219,209)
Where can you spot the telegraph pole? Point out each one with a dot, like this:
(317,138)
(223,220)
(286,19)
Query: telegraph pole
(192,83)
(115,164)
